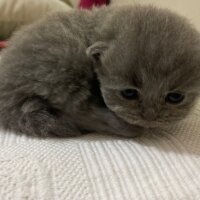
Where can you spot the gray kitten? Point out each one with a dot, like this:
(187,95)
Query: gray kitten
(116,70)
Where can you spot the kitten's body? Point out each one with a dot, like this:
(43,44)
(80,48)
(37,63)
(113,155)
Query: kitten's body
(48,85)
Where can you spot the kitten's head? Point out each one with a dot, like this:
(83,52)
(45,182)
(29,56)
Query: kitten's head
(150,72)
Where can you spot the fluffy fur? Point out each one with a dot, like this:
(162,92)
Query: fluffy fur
(63,75)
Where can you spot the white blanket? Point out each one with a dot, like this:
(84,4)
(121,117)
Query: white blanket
(98,167)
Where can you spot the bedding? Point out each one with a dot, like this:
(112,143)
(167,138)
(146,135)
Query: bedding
(99,167)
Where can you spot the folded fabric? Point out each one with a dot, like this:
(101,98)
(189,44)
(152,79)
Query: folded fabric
(15,13)
(3,44)
(90,3)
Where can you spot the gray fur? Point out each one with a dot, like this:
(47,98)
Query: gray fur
(49,85)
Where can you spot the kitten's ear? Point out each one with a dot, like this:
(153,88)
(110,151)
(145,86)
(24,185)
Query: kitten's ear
(96,50)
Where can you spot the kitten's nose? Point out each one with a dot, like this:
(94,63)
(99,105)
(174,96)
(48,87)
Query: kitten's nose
(149,114)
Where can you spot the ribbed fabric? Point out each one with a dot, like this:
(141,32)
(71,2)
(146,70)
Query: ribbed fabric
(147,168)
(42,170)
(97,167)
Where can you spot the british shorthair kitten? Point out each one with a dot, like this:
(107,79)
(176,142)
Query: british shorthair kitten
(119,70)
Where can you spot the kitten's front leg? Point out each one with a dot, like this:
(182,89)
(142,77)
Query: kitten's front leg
(40,119)
(118,126)
(102,120)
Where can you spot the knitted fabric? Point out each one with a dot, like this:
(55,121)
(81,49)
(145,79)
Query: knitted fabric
(99,167)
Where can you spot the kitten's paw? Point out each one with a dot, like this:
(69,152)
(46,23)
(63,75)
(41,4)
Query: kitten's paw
(120,127)
(38,118)
(42,123)
(131,131)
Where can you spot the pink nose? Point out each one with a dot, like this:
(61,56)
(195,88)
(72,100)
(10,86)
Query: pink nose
(149,114)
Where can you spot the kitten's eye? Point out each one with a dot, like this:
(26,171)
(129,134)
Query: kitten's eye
(174,98)
(130,94)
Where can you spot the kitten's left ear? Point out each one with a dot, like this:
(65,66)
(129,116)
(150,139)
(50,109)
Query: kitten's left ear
(96,50)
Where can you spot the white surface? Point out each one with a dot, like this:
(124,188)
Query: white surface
(15,13)
(187,8)
(98,167)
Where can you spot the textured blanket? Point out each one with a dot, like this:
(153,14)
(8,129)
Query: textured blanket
(99,167)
